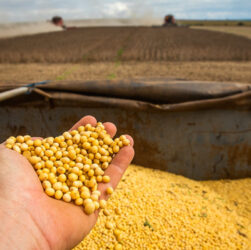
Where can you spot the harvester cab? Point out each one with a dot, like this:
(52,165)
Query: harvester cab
(58,21)
(169,20)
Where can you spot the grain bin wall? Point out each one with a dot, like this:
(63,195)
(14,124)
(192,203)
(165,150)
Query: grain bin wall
(200,130)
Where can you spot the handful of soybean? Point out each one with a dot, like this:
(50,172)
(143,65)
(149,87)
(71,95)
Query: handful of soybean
(71,166)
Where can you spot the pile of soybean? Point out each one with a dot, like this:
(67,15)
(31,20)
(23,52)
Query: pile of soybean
(152,209)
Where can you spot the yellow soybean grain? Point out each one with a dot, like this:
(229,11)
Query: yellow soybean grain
(160,210)
(70,162)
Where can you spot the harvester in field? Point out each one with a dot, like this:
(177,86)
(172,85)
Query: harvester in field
(58,21)
(169,20)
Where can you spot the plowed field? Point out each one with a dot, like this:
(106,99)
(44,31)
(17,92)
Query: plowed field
(125,44)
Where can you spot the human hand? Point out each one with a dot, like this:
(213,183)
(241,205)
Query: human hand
(32,220)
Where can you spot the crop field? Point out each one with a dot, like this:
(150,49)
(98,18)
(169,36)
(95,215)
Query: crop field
(125,44)
(237,23)
(204,71)
(239,31)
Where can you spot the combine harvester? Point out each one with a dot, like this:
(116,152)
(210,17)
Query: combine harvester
(170,21)
(201,130)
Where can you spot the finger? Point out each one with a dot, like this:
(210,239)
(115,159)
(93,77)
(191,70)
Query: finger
(130,139)
(85,120)
(110,128)
(35,138)
(116,169)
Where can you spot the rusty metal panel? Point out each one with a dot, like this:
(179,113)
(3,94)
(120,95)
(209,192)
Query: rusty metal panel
(161,90)
(207,144)
(199,130)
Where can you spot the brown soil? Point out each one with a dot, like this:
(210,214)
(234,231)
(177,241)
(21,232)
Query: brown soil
(208,71)
(125,44)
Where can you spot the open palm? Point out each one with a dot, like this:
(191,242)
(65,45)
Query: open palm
(62,225)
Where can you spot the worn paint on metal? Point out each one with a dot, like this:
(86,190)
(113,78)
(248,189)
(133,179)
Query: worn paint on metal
(206,144)
(199,130)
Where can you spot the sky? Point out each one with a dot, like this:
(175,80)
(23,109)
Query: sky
(38,10)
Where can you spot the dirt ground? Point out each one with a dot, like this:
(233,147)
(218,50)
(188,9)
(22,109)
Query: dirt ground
(207,71)
(108,53)
(125,44)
